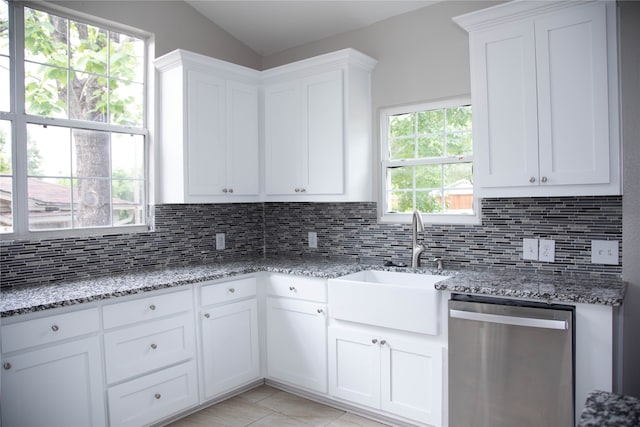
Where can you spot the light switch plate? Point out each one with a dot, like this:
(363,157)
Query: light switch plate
(530,249)
(220,244)
(604,252)
(313,239)
(547,250)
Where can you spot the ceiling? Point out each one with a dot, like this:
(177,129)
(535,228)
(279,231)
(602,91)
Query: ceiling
(270,27)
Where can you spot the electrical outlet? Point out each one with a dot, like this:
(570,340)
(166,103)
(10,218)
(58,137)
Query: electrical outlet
(604,252)
(547,250)
(313,239)
(530,249)
(220,245)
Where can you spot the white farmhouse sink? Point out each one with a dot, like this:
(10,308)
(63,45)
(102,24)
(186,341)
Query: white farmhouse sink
(396,300)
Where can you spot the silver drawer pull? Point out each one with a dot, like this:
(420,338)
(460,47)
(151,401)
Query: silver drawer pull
(231,290)
(7,366)
(157,396)
(55,328)
(152,307)
(154,346)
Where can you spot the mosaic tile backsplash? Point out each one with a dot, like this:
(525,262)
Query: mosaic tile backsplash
(185,234)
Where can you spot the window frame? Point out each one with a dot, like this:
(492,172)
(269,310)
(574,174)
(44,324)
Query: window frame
(19,120)
(385,163)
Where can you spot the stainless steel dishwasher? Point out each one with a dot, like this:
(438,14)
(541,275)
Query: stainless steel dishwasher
(511,363)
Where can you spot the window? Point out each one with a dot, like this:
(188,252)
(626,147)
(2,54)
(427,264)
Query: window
(427,163)
(73,137)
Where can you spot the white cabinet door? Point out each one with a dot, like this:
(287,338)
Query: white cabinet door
(297,343)
(59,385)
(323,128)
(505,123)
(283,145)
(242,163)
(304,136)
(573,103)
(206,148)
(412,378)
(354,366)
(230,346)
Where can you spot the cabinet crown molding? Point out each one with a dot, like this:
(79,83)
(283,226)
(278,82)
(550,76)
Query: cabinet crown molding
(181,57)
(514,10)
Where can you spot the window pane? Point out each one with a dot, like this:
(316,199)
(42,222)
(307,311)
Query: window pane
(400,201)
(431,146)
(45,90)
(48,151)
(400,178)
(128,202)
(460,144)
(459,119)
(4,28)
(431,122)
(429,201)
(49,203)
(401,148)
(429,176)
(401,125)
(126,103)
(127,156)
(92,206)
(45,38)
(88,45)
(458,175)
(91,154)
(127,57)
(88,97)
(5,91)
(6,180)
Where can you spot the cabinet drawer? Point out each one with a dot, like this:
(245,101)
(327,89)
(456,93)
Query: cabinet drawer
(143,348)
(308,288)
(153,397)
(147,308)
(45,330)
(228,291)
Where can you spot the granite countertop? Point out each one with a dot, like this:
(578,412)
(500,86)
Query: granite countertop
(604,409)
(558,288)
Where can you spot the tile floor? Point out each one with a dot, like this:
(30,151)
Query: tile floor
(267,406)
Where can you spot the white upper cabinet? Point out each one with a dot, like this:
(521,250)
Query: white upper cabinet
(209,132)
(545,100)
(317,129)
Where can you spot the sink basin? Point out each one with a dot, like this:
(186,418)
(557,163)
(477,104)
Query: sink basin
(396,300)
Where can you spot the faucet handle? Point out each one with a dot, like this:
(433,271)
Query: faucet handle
(438,262)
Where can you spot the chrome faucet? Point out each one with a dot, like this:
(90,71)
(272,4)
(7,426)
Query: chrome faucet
(417,226)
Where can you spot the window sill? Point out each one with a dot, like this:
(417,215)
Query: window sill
(406,218)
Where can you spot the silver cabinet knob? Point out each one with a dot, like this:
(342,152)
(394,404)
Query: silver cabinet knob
(303,190)
(320,311)
(7,366)
(297,190)
(231,290)
(231,190)
(55,328)
(154,346)
(157,396)
(207,315)
(224,190)
(292,288)
(383,342)
(374,341)
(544,179)
(532,179)
(152,307)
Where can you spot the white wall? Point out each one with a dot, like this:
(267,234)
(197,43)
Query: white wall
(175,25)
(629,28)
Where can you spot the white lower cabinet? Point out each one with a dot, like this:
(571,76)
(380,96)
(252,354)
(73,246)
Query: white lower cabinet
(392,371)
(60,385)
(297,343)
(152,397)
(230,346)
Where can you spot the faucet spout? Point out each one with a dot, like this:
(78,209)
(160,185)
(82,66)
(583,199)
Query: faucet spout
(417,226)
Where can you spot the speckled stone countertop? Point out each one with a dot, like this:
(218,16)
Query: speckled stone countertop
(28,299)
(604,409)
